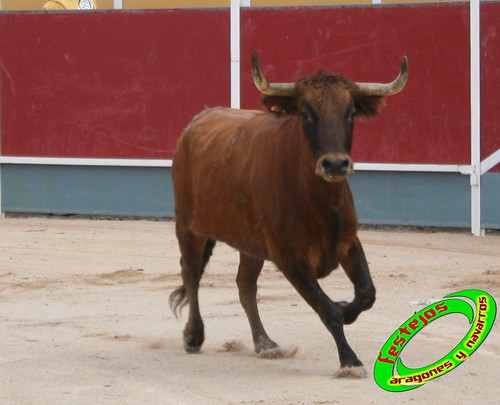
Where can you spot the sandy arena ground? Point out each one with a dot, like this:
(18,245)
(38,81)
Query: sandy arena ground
(84,319)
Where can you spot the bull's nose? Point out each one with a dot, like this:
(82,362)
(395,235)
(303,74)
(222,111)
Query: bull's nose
(335,166)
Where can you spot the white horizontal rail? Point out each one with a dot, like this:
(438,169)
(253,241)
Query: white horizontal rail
(401,167)
(50,161)
(378,167)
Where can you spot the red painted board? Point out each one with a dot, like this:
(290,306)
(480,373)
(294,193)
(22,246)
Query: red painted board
(426,123)
(125,84)
(108,84)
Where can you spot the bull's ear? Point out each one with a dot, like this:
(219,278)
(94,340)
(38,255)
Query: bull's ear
(368,106)
(282,105)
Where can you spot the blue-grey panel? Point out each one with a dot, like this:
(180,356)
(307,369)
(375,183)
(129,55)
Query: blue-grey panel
(401,198)
(128,191)
(490,200)
(412,198)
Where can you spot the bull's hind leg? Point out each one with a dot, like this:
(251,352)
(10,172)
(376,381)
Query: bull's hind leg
(248,273)
(356,268)
(195,254)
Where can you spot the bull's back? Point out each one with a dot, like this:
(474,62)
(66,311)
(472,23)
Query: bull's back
(207,167)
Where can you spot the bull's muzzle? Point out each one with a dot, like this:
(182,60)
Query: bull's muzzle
(334,167)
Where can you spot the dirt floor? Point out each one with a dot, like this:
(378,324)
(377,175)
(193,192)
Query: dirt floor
(84,319)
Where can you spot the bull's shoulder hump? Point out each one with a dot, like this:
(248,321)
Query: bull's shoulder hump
(222,112)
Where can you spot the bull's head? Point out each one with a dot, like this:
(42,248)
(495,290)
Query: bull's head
(327,104)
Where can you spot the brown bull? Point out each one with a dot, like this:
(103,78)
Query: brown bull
(272,184)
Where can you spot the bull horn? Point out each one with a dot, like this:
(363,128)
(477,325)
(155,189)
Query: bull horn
(266,88)
(388,89)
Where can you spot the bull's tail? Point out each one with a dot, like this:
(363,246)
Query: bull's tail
(179,299)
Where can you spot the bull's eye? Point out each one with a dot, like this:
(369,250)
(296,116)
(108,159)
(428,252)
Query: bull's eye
(307,114)
(350,111)
(306,117)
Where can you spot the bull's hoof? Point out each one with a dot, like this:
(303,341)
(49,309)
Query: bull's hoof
(263,344)
(193,339)
(193,343)
(349,313)
(352,372)
(191,349)
(260,347)
(278,353)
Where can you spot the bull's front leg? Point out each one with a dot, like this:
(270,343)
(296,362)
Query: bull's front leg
(330,313)
(356,267)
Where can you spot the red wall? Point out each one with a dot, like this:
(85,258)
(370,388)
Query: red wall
(125,84)
(108,84)
(428,121)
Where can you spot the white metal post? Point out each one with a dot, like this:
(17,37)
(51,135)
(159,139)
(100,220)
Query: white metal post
(117,4)
(235,53)
(475,90)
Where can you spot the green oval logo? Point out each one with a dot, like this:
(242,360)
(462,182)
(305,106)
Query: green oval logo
(392,375)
